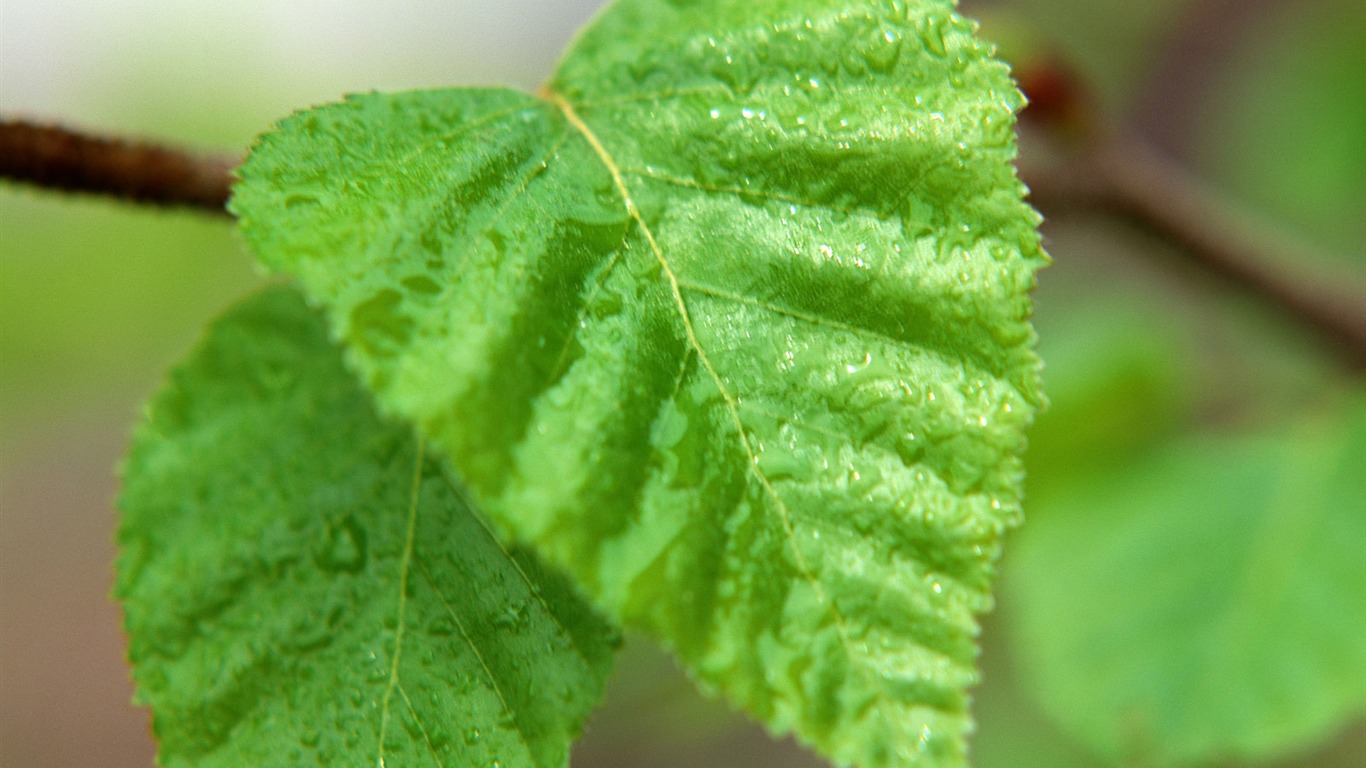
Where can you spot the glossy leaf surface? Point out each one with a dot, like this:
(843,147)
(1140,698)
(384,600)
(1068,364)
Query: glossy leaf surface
(1206,602)
(731,322)
(302,587)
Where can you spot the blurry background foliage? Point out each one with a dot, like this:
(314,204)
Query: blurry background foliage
(1190,585)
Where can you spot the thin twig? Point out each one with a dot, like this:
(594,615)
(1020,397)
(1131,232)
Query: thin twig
(1110,171)
(1128,179)
(59,158)
(1120,175)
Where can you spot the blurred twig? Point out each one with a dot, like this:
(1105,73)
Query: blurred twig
(59,158)
(1108,170)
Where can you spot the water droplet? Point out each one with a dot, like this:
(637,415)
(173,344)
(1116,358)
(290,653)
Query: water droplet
(301,200)
(882,51)
(512,617)
(421,284)
(344,547)
(715,113)
(933,36)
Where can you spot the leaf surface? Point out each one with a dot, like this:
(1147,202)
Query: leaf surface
(731,322)
(1204,603)
(302,586)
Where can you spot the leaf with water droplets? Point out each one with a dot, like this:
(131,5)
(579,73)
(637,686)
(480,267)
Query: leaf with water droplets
(731,322)
(301,587)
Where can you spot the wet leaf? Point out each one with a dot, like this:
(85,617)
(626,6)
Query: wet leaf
(1205,602)
(302,586)
(730,321)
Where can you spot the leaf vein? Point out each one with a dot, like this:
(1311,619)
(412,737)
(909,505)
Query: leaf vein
(638,98)
(405,565)
(562,361)
(732,405)
(424,147)
(474,648)
(654,175)
(420,727)
(531,587)
(796,314)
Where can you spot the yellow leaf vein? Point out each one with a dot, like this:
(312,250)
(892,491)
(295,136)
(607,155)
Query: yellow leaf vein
(732,404)
(405,565)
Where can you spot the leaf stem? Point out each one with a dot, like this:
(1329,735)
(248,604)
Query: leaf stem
(60,158)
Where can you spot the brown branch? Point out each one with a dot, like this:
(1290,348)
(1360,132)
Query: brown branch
(1128,179)
(58,158)
(1108,171)
(1120,175)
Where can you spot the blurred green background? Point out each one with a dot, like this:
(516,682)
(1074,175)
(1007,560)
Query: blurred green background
(1202,458)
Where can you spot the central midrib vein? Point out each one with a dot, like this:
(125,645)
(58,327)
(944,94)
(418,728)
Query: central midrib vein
(732,405)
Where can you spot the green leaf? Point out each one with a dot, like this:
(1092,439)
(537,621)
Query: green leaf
(1204,603)
(302,586)
(731,323)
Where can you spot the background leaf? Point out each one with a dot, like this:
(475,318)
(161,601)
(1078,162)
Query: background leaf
(298,581)
(733,324)
(1205,601)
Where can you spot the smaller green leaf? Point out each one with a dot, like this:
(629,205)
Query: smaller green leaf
(302,586)
(1207,602)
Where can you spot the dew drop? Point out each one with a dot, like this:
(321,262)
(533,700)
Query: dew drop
(301,201)
(933,36)
(882,52)
(344,547)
